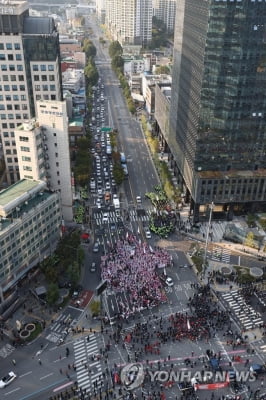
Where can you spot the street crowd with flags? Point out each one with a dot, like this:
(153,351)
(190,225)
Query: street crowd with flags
(131,267)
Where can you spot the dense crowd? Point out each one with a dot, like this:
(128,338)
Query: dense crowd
(132,267)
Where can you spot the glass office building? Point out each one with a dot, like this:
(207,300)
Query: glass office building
(218,106)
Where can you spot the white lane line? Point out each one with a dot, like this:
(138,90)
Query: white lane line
(27,373)
(46,376)
(12,391)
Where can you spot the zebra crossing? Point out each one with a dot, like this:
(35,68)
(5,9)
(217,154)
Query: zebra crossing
(221,254)
(87,362)
(132,214)
(246,315)
(60,328)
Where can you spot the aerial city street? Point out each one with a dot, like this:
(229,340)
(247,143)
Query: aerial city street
(166,329)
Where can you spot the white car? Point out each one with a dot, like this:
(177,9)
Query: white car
(107,186)
(147,234)
(138,198)
(7,379)
(169,281)
(115,196)
(98,203)
(105,218)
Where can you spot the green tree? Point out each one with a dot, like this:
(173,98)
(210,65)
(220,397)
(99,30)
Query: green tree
(249,241)
(91,73)
(73,273)
(162,69)
(115,49)
(117,63)
(89,48)
(52,294)
(95,307)
(118,172)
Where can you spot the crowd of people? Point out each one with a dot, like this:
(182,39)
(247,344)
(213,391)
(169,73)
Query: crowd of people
(132,267)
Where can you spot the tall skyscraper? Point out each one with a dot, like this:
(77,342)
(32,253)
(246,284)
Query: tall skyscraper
(130,21)
(165,10)
(29,71)
(218,107)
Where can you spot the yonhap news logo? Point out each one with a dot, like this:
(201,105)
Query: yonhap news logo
(132,376)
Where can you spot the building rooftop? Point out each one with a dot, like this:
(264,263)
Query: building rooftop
(11,197)
(39,25)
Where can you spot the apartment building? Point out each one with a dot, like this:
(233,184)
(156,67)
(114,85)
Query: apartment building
(30,228)
(29,71)
(165,10)
(130,21)
(43,151)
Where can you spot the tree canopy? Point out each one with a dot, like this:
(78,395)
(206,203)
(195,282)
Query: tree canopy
(89,48)
(115,49)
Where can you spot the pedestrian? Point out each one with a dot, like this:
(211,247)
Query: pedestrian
(14,362)
(40,361)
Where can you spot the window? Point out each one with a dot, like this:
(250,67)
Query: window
(23,138)
(2,57)
(25,116)
(10,116)
(16,106)
(9,159)
(1,46)
(44,78)
(51,78)
(17,46)
(37,88)
(23,97)
(5,78)
(24,107)
(2,107)
(23,148)
(52,88)
(43,67)
(15,97)
(27,168)
(9,46)
(6,88)
(22,87)
(11,67)
(13,78)
(56,154)
(14,88)
(45,88)
(57,164)
(35,67)
(18,57)
(54,134)
(58,173)
(36,78)
(20,67)
(10,57)
(3,67)
(9,107)
(55,145)
(50,67)
(58,182)
(21,78)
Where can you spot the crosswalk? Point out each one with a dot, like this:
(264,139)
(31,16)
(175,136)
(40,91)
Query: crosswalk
(60,327)
(246,315)
(221,254)
(88,364)
(132,215)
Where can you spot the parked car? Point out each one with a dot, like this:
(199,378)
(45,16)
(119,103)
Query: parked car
(7,379)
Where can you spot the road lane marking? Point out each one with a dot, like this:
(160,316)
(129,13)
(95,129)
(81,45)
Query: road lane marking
(63,386)
(12,391)
(46,376)
(27,373)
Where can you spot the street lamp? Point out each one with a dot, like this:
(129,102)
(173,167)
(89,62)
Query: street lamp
(207,238)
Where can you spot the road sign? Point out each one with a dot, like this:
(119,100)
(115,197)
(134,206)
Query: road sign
(106,129)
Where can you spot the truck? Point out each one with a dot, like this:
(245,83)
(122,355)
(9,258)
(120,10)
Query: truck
(116,202)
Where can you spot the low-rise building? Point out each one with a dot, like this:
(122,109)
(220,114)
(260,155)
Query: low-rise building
(30,228)
(148,88)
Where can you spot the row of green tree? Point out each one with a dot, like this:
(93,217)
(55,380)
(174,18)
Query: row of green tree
(115,52)
(90,70)
(64,265)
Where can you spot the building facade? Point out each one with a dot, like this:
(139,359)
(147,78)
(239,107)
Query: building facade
(43,151)
(165,10)
(130,21)
(30,228)
(218,104)
(29,71)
